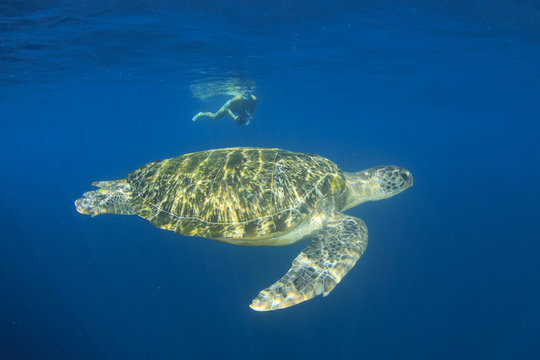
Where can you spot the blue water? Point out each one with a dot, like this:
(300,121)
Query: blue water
(449,90)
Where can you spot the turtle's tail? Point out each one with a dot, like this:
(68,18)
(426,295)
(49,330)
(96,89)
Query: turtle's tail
(112,197)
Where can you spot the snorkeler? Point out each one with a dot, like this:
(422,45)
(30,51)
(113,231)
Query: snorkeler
(240,108)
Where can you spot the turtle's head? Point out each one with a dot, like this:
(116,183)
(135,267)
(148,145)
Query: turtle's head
(377,183)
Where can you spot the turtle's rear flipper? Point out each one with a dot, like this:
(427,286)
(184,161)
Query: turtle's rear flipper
(319,268)
(113,197)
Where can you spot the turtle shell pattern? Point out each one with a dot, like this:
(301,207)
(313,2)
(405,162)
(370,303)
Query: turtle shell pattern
(237,193)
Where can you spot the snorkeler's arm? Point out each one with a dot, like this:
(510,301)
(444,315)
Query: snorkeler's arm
(227,107)
(232,114)
(253,104)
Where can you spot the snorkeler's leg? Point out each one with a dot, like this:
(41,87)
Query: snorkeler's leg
(221,113)
(207,114)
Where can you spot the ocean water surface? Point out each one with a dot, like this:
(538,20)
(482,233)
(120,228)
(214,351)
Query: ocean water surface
(92,90)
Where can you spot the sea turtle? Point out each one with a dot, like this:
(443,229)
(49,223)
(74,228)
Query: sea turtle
(258,196)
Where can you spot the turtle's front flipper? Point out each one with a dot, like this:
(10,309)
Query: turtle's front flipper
(112,197)
(318,269)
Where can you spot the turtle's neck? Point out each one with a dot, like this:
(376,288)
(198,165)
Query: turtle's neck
(359,187)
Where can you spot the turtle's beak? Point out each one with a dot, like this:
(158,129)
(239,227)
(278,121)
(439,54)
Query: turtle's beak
(407,178)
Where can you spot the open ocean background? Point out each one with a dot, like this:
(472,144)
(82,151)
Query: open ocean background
(91,90)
